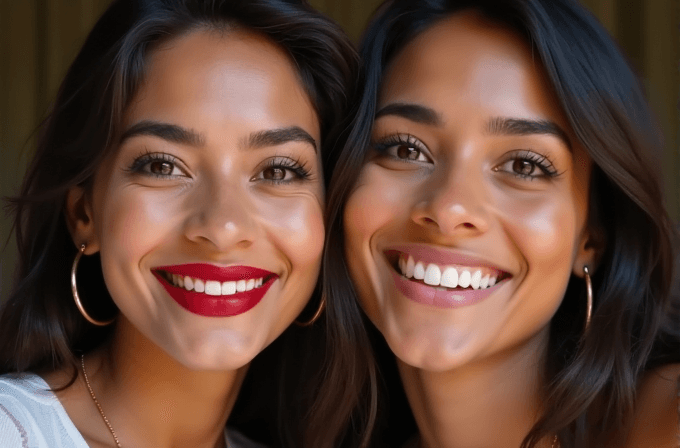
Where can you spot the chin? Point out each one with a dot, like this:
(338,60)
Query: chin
(226,350)
(434,350)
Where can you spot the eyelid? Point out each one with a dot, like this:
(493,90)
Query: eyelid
(287,163)
(147,157)
(542,162)
(382,144)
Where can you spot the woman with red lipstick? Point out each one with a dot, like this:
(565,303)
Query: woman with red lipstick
(499,210)
(170,229)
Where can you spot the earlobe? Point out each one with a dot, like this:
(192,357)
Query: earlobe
(79,219)
(589,253)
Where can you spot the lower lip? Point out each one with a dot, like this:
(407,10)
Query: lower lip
(215,306)
(430,295)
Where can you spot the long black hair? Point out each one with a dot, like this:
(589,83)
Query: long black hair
(40,327)
(592,380)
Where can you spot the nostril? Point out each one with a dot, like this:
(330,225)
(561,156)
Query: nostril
(429,220)
(468,225)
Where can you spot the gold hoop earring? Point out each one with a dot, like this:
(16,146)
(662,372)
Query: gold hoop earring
(316,316)
(589,295)
(76,296)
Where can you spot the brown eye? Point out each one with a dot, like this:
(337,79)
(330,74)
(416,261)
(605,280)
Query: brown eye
(274,173)
(523,167)
(407,152)
(161,168)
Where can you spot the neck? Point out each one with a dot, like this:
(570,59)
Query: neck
(491,402)
(152,400)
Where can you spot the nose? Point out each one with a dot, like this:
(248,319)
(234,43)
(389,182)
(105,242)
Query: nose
(453,203)
(222,217)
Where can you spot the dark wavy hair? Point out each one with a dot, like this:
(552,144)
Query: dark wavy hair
(40,327)
(591,379)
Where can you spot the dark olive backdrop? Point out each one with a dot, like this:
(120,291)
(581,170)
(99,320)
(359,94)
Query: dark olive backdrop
(39,39)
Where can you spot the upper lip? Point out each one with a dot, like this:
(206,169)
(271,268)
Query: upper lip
(205,271)
(442,257)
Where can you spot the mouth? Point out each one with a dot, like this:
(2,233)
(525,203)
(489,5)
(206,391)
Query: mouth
(214,287)
(434,281)
(209,290)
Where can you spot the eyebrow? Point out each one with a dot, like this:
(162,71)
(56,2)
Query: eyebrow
(521,126)
(165,131)
(412,112)
(177,134)
(275,137)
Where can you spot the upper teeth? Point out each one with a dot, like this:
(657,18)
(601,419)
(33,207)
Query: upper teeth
(213,287)
(447,276)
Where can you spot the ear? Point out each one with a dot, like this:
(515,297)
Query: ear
(590,250)
(79,219)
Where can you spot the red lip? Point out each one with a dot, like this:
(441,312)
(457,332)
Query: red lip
(216,306)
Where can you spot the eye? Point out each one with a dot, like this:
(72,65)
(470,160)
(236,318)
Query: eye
(157,165)
(280,170)
(403,147)
(528,165)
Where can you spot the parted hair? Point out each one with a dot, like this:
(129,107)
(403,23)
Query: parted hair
(591,379)
(40,327)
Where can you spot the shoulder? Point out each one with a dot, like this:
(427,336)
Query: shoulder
(657,410)
(31,415)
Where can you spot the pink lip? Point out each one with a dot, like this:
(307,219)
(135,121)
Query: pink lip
(429,254)
(430,295)
(216,306)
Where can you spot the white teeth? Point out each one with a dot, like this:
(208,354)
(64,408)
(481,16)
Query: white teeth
(410,267)
(449,278)
(199,286)
(464,279)
(228,288)
(188,283)
(419,271)
(476,279)
(432,275)
(213,288)
(240,286)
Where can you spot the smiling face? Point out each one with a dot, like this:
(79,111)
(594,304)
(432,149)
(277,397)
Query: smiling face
(469,215)
(208,216)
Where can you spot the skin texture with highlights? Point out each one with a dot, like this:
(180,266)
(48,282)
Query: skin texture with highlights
(220,166)
(472,157)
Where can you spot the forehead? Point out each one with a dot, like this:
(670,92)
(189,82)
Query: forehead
(468,59)
(221,75)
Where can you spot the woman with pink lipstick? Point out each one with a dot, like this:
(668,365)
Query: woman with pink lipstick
(499,210)
(170,229)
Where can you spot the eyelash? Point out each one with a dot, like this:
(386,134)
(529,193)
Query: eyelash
(297,167)
(146,158)
(539,161)
(542,162)
(408,140)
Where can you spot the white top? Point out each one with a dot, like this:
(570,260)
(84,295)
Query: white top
(31,416)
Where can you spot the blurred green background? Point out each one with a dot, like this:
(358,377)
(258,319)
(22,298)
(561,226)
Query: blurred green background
(40,38)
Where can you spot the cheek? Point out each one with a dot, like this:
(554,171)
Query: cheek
(131,222)
(377,201)
(296,226)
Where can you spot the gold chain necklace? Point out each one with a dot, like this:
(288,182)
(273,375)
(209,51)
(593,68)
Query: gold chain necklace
(555,441)
(94,398)
(101,411)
